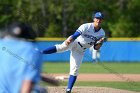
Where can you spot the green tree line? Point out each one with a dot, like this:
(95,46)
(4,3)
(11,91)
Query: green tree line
(61,18)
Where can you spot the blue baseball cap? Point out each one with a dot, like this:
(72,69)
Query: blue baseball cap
(98,15)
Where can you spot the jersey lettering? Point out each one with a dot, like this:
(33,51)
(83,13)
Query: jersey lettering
(90,36)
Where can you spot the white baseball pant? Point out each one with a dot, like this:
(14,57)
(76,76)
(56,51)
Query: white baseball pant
(76,55)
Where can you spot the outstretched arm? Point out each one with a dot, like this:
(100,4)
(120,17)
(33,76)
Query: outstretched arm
(26,86)
(53,49)
(50,79)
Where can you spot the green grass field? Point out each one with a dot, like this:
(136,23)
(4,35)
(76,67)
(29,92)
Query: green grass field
(61,67)
(125,68)
(117,85)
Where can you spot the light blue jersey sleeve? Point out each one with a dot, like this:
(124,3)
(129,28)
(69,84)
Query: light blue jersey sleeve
(34,65)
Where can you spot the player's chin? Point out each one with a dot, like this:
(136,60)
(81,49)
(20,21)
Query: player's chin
(99,24)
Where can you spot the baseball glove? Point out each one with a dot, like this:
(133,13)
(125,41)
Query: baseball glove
(101,40)
(99,43)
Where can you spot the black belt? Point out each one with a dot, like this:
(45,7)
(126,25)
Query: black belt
(81,45)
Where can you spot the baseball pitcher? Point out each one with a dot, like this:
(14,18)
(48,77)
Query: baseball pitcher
(86,36)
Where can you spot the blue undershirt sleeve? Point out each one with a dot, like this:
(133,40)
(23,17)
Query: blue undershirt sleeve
(75,35)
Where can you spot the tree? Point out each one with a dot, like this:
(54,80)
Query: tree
(61,18)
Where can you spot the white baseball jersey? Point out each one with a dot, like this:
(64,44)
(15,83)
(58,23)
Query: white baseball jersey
(88,35)
(87,39)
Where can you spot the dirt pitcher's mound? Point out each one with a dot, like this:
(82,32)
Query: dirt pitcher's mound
(102,77)
(88,90)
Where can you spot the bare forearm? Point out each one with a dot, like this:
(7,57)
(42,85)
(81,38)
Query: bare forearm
(49,79)
(26,86)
